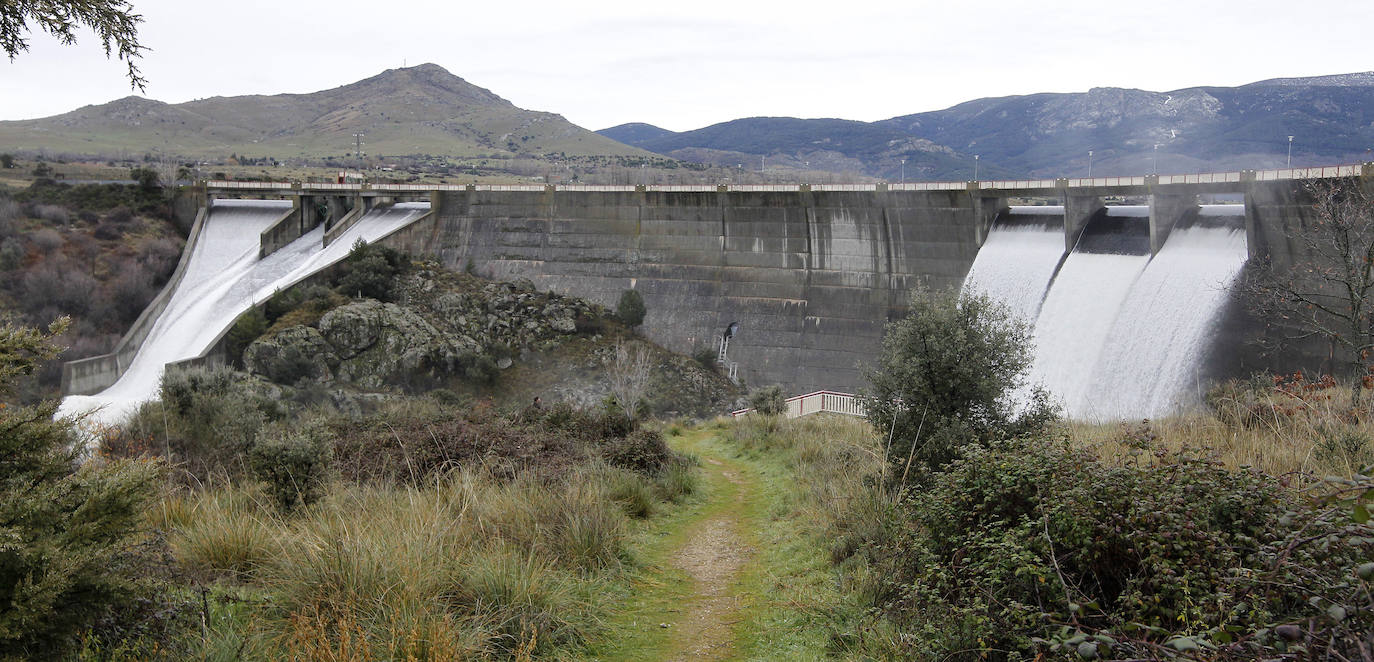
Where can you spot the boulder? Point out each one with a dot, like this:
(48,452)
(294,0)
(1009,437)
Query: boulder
(378,344)
(291,355)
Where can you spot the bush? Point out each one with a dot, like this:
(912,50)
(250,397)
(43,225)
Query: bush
(108,232)
(248,327)
(54,214)
(945,377)
(630,309)
(11,254)
(769,400)
(295,463)
(370,271)
(208,418)
(46,240)
(642,451)
(1017,539)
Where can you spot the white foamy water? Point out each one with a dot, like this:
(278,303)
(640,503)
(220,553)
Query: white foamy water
(1161,335)
(223,279)
(1071,331)
(1018,260)
(1116,336)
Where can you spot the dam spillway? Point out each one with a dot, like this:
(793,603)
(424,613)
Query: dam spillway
(1118,333)
(225,276)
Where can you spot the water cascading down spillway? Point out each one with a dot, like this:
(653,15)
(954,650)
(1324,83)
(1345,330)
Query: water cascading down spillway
(224,278)
(1117,334)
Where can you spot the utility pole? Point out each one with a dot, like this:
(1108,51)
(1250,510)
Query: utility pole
(358,151)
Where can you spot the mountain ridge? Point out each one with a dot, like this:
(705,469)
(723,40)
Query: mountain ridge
(1199,128)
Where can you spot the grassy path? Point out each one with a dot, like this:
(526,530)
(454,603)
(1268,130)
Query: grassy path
(724,577)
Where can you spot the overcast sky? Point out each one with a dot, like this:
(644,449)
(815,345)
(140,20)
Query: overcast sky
(684,65)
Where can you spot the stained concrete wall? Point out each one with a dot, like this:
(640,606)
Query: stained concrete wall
(810,276)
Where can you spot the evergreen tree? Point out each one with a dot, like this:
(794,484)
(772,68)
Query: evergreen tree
(67,529)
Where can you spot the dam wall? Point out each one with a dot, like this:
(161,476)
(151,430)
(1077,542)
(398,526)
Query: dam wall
(810,276)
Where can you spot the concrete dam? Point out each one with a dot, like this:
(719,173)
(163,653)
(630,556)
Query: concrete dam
(812,273)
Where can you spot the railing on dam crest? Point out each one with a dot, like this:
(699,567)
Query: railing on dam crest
(988,186)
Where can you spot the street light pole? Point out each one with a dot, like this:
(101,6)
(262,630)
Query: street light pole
(1090,164)
(1155,166)
(1290,152)
(903,171)
(975,167)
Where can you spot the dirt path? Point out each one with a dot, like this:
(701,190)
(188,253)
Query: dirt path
(713,556)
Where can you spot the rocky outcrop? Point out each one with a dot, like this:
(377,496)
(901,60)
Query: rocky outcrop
(446,323)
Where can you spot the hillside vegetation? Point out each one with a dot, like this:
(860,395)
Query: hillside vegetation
(97,254)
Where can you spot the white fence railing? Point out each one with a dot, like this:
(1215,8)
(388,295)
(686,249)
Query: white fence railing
(1318,172)
(818,402)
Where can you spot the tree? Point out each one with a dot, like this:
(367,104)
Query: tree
(1328,290)
(630,309)
(113,22)
(147,179)
(946,378)
(69,530)
(629,377)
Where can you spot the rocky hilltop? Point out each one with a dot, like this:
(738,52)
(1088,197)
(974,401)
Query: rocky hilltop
(410,111)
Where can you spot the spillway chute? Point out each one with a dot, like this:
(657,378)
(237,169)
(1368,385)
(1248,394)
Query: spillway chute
(223,279)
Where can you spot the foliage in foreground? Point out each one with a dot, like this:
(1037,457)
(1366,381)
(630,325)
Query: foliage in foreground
(1028,547)
(69,533)
(418,531)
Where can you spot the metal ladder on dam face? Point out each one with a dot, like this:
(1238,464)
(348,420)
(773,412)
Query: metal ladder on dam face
(723,358)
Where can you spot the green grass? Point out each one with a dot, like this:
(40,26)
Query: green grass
(799,482)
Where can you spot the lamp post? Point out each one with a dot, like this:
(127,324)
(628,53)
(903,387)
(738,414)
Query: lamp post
(1155,167)
(1090,164)
(975,167)
(903,171)
(1290,152)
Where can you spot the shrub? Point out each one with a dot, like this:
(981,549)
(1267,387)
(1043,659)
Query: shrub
(248,327)
(769,400)
(11,254)
(46,240)
(642,451)
(370,271)
(208,418)
(630,309)
(295,463)
(945,377)
(108,232)
(1021,538)
(120,215)
(706,357)
(478,368)
(9,213)
(55,214)
(159,257)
